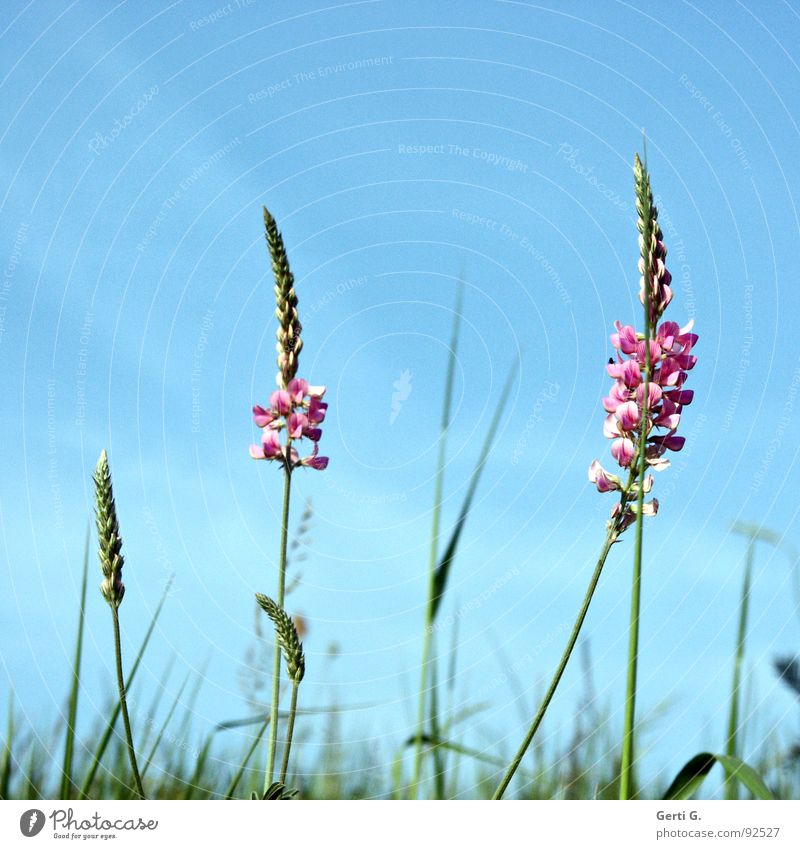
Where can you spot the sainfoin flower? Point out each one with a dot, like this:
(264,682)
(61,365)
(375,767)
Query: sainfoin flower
(295,411)
(647,397)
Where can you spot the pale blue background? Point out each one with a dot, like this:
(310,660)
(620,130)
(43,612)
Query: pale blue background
(109,336)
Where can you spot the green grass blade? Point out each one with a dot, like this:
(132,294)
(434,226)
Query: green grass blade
(164,724)
(466,751)
(732,748)
(436,514)
(97,757)
(446,562)
(246,759)
(694,773)
(202,758)
(6,766)
(72,712)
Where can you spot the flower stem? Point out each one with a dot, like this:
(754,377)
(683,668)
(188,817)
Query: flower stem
(124,705)
(430,606)
(428,628)
(289,733)
(611,537)
(731,786)
(626,767)
(276,667)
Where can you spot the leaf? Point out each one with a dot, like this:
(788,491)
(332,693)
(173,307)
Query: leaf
(694,773)
(446,561)
(276,790)
(72,711)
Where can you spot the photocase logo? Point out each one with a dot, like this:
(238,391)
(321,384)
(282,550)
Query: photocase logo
(31,822)
(402,389)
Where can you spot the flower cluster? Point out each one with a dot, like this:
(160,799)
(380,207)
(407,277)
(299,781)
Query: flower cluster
(647,398)
(670,360)
(298,410)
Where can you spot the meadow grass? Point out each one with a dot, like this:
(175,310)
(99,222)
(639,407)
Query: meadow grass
(441,756)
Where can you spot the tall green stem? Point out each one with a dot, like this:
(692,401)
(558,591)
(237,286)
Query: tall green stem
(626,770)
(626,767)
(428,630)
(123,702)
(276,667)
(611,536)
(732,786)
(72,712)
(289,732)
(430,606)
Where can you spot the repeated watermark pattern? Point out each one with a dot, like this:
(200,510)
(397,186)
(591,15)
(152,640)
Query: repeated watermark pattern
(402,392)
(197,172)
(101,141)
(321,72)
(480,154)
(719,119)
(10,270)
(569,153)
(206,326)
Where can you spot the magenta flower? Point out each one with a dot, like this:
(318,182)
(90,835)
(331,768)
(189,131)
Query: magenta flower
(296,410)
(670,360)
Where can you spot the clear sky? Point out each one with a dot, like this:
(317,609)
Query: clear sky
(399,145)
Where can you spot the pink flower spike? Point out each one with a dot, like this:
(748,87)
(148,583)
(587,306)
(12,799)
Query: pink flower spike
(672,443)
(683,397)
(298,389)
(263,417)
(622,451)
(654,393)
(610,427)
(655,352)
(628,416)
(316,391)
(603,480)
(313,461)
(631,374)
(649,508)
(316,410)
(257,452)
(625,338)
(281,401)
(297,422)
(313,433)
(271,444)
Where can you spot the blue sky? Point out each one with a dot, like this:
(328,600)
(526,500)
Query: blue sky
(400,146)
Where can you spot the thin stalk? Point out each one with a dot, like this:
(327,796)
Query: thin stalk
(276,666)
(289,732)
(5,768)
(732,786)
(611,537)
(626,767)
(124,705)
(72,711)
(164,725)
(430,606)
(243,765)
(106,738)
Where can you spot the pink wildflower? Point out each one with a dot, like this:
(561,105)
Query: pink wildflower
(297,410)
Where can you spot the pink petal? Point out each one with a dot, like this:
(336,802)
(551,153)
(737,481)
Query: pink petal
(263,417)
(281,401)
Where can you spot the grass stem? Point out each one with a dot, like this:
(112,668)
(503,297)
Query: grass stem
(289,733)
(276,666)
(124,705)
(611,536)
(731,785)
